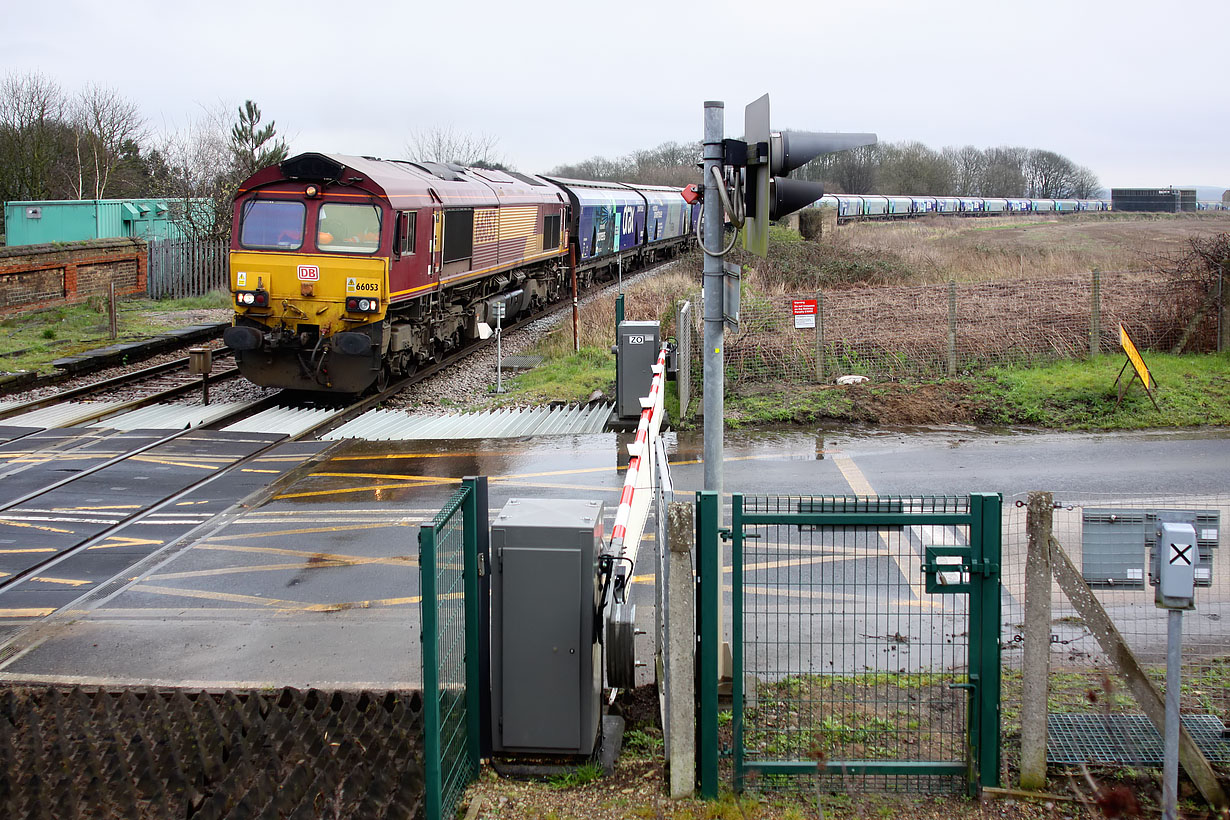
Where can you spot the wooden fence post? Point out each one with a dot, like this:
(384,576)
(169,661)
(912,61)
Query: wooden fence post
(952,327)
(819,337)
(1095,315)
(1036,666)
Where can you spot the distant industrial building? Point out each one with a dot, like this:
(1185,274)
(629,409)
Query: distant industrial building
(1166,200)
(72,220)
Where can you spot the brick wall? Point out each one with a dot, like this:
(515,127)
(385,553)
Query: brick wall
(33,277)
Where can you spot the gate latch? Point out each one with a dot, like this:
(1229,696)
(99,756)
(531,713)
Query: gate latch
(947,576)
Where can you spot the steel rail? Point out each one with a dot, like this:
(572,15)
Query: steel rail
(122,380)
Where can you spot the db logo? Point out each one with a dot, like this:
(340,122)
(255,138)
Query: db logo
(309,273)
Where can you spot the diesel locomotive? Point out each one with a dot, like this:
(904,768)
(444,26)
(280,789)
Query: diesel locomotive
(348,271)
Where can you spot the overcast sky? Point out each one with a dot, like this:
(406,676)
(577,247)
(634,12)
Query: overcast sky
(1138,91)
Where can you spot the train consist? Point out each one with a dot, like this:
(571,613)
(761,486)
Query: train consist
(851,207)
(347,271)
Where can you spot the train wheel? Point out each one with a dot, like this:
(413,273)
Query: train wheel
(383,378)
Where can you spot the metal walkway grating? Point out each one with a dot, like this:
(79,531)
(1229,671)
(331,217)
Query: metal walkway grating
(1126,739)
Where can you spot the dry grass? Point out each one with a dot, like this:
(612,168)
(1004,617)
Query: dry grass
(649,299)
(936,249)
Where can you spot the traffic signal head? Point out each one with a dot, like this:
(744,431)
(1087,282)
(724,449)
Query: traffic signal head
(769,194)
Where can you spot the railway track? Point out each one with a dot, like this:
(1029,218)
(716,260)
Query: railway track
(149,385)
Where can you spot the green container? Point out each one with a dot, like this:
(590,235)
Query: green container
(73,220)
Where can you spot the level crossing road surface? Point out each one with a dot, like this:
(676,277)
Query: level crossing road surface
(318,584)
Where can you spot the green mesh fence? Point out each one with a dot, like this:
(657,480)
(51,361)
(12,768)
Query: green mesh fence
(448,568)
(864,641)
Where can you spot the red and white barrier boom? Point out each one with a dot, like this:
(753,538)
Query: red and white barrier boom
(637,494)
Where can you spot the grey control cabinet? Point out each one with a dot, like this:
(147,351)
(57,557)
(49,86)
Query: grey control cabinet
(636,351)
(1117,544)
(546,665)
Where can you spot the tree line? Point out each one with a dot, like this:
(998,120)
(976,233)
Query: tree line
(890,168)
(94,143)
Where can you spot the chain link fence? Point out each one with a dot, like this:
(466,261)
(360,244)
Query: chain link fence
(930,331)
(1108,539)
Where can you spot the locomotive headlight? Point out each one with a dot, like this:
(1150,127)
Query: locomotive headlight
(311,192)
(365,305)
(244,298)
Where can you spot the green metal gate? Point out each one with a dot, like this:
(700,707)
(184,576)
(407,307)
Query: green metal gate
(448,572)
(864,642)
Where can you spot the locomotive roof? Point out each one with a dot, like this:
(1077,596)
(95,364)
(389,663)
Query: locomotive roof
(409,184)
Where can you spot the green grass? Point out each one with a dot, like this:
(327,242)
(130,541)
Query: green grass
(1192,390)
(32,341)
(586,773)
(570,378)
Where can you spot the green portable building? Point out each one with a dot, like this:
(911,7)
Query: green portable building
(71,220)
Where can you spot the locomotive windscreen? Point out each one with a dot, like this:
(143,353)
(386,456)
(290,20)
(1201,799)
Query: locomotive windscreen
(267,223)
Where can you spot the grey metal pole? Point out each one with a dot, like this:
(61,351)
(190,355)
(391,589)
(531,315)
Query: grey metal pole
(715,369)
(1170,759)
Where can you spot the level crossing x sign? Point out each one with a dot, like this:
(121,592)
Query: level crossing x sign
(1179,552)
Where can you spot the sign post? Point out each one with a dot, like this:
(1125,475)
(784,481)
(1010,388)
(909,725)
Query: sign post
(1175,560)
(1139,368)
(498,309)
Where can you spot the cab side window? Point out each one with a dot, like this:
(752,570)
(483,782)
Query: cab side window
(406,230)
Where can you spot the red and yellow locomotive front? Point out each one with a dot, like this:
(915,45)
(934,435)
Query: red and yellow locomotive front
(311,255)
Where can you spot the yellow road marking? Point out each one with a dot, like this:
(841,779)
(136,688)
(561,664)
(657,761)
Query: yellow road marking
(911,568)
(96,509)
(210,595)
(277,603)
(28,549)
(65,581)
(253,470)
(396,476)
(211,573)
(309,531)
(355,560)
(181,463)
(114,541)
(614,488)
(189,503)
(367,489)
(26,612)
(385,456)
(9,523)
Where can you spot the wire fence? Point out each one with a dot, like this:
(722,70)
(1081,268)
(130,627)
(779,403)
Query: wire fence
(1109,540)
(180,268)
(929,331)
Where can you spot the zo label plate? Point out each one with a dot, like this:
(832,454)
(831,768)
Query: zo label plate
(309,273)
(362,287)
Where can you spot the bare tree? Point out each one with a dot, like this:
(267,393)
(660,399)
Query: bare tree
(1004,174)
(446,144)
(103,123)
(969,166)
(32,135)
(194,170)
(1085,184)
(855,171)
(911,167)
(1049,175)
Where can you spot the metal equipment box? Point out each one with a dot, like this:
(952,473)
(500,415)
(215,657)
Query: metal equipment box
(1117,543)
(636,351)
(546,666)
(1206,523)
(1113,547)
